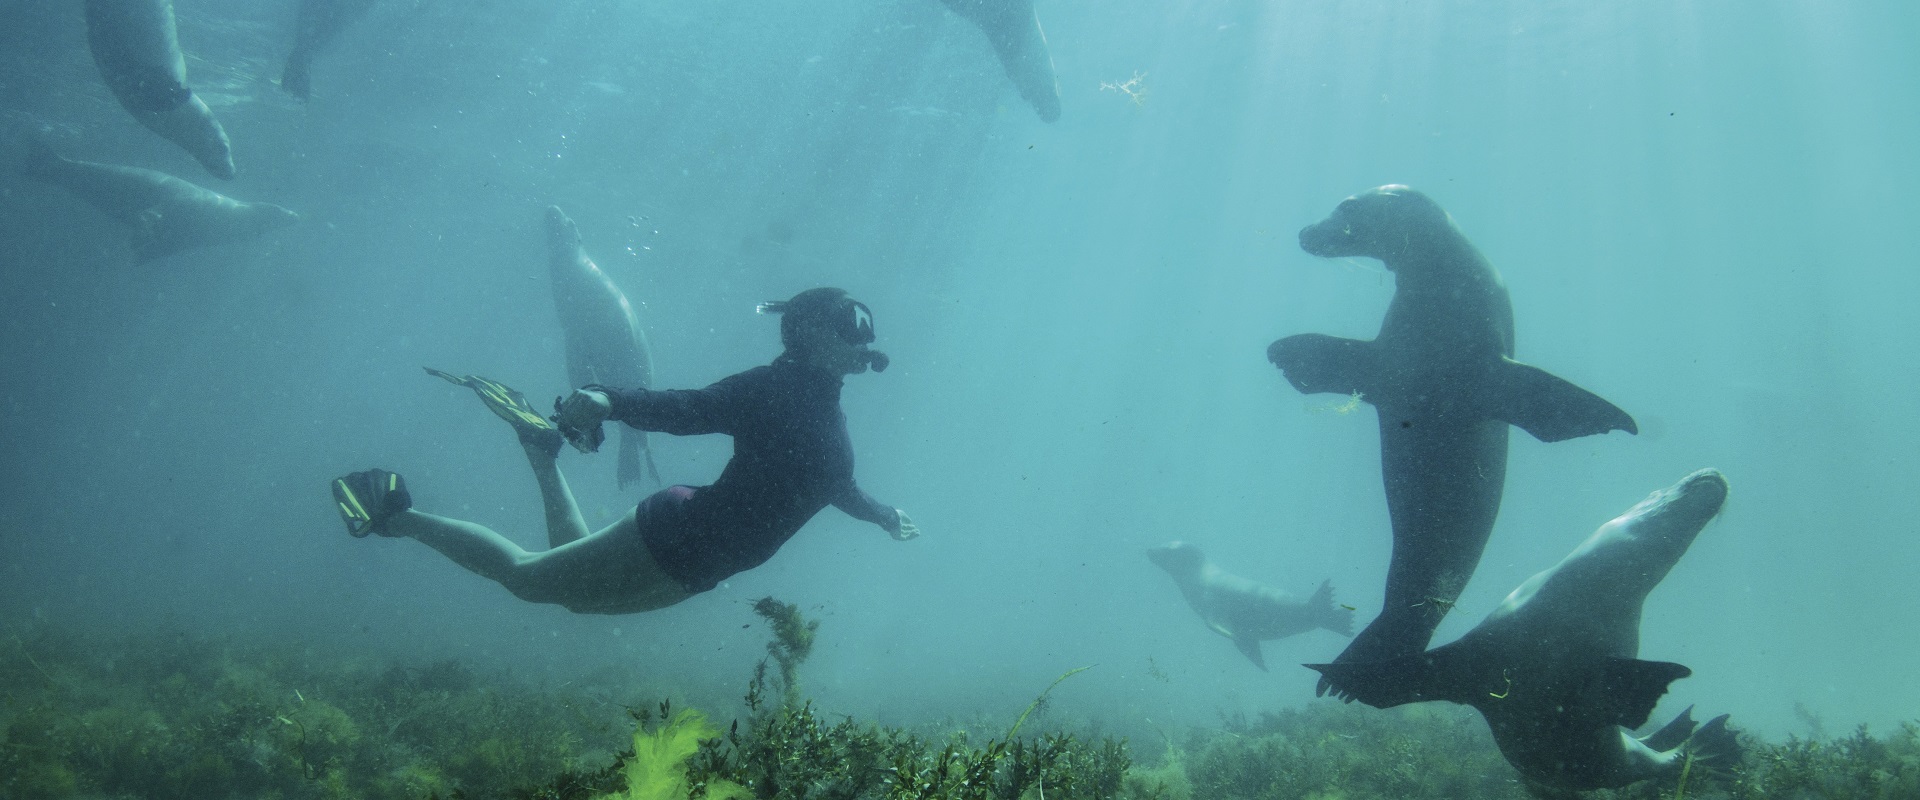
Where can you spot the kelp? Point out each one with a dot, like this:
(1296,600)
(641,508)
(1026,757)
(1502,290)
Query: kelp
(167,715)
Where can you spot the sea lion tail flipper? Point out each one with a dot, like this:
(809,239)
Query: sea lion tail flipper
(646,449)
(1383,684)
(627,470)
(1714,745)
(1552,408)
(1316,362)
(1632,687)
(1673,734)
(1251,647)
(1338,619)
(1460,672)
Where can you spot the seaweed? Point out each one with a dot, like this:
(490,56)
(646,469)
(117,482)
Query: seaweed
(164,715)
(791,644)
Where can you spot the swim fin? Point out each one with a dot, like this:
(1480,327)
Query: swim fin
(509,404)
(367,499)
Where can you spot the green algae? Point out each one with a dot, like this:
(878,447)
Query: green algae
(167,715)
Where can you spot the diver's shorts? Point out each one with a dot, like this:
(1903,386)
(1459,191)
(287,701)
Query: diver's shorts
(663,522)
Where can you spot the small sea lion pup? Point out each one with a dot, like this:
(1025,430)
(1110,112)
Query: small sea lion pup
(1242,610)
(137,48)
(1442,379)
(791,458)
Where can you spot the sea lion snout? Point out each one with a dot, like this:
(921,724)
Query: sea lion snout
(1176,557)
(1377,223)
(561,232)
(1696,496)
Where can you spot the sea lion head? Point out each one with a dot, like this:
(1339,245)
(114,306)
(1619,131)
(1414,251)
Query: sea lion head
(1177,558)
(1377,223)
(561,232)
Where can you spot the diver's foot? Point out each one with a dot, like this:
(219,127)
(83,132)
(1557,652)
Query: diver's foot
(366,500)
(536,432)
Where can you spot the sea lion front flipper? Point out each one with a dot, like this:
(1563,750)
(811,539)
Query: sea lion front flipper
(1316,363)
(1552,408)
(1251,647)
(1633,687)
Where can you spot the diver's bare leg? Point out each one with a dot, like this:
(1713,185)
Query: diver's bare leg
(607,573)
(564,523)
(475,547)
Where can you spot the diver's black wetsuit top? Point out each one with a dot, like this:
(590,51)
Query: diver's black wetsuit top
(791,458)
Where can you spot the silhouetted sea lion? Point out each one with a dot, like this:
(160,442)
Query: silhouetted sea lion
(1245,611)
(1442,378)
(605,343)
(166,213)
(316,25)
(137,48)
(1554,668)
(1013,29)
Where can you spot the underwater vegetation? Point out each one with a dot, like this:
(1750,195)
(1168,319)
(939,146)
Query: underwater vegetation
(166,715)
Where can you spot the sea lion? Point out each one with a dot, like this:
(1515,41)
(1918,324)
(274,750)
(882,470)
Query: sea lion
(1442,378)
(1555,668)
(1013,29)
(1245,611)
(137,48)
(315,26)
(167,214)
(605,343)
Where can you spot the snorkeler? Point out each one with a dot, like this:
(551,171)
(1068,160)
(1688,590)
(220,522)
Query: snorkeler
(792,457)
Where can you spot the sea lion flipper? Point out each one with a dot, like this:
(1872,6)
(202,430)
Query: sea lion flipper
(1338,619)
(1633,687)
(1552,408)
(1251,647)
(1673,734)
(1316,362)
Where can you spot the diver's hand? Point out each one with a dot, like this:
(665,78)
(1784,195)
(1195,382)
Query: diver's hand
(903,528)
(584,410)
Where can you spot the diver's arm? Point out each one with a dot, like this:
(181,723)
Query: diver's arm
(681,412)
(861,506)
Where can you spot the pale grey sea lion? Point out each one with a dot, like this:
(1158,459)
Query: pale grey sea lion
(1242,610)
(605,343)
(137,48)
(1555,668)
(1442,378)
(166,213)
(315,26)
(1013,29)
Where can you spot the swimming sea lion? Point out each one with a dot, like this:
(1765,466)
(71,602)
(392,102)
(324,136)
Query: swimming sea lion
(167,214)
(1442,378)
(137,48)
(1244,611)
(1013,29)
(316,25)
(605,343)
(1554,668)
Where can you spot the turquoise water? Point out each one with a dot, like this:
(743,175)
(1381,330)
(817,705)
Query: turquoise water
(1701,211)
